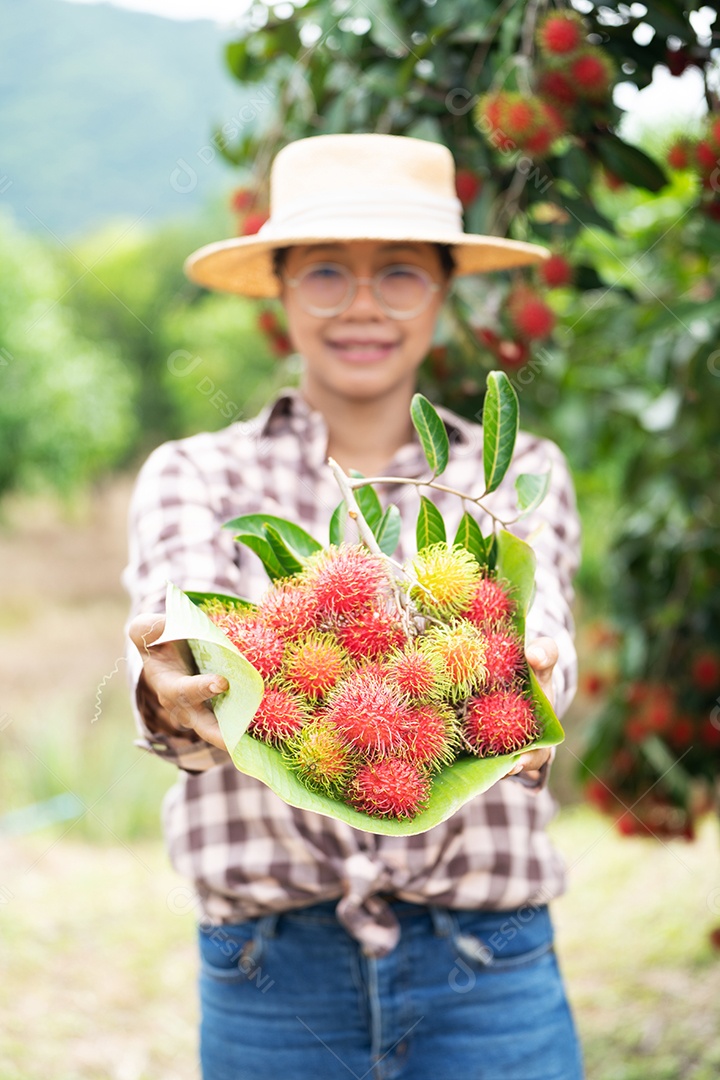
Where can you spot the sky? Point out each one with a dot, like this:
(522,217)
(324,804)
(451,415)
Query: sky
(667,97)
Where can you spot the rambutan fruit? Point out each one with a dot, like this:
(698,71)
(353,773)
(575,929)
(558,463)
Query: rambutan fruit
(319,756)
(679,155)
(705,670)
(467,186)
(531,316)
(371,634)
(554,86)
(253,223)
(592,73)
(430,736)
(290,608)
(561,33)
(501,722)
(345,579)
(368,713)
(446,579)
(418,675)
(242,200)
(315,664)
(280,715)
(389,788)
(461,649)
(504,658)
(556,271)
(490,603)
(259,644)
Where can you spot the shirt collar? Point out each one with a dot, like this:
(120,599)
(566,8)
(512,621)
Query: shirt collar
(289,411)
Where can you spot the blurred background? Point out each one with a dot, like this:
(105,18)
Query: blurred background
(132,133)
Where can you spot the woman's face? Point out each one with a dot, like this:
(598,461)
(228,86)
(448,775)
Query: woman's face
(362,353)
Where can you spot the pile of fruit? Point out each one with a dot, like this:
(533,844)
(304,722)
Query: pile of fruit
(374,682)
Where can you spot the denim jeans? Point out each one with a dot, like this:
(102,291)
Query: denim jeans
(465,995)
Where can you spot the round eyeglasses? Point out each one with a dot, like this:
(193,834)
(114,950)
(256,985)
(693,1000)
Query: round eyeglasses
(326,289)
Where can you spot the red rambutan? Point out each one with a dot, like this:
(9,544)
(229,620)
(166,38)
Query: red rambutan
(554,85)
(490,604)
(706,156)
(561,33)
(679,156)
(389,788)
(705,671)
(592,73)
(530,314)
(467,186)
(418,675)
(371,634)
(252,223)
(556,271)
(259,644)
(317,753)
(461,649)
(314,665)
(280,715)
(504,658)
(242,199)
(346,579)
(430,736)
(368,713)
(289,608)
(501,722)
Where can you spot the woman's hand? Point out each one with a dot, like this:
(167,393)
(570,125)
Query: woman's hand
(182,697)
(541,655)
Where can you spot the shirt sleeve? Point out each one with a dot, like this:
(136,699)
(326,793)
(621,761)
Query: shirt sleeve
(553,531)
(174,534)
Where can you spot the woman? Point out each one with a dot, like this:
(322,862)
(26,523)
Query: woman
(326,950)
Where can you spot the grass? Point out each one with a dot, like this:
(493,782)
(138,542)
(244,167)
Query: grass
(99,957)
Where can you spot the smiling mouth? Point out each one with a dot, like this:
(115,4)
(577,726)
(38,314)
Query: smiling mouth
(359,350)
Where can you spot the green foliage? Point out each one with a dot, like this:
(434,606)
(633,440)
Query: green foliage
(66,399)
(501,419)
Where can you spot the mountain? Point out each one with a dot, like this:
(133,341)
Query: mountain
(107,113)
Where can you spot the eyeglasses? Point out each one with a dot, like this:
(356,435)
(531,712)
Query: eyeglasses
(326,289)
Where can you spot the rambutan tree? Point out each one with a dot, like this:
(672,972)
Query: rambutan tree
(613,342)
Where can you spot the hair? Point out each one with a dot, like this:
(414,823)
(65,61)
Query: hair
(447,260)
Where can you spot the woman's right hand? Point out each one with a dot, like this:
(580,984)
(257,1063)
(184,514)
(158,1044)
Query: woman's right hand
(181,696)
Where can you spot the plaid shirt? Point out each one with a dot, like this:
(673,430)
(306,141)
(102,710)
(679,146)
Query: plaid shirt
(249,853)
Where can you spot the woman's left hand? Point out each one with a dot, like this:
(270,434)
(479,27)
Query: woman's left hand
(541,655)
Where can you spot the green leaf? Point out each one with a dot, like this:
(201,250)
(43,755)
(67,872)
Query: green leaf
(226,598)
(469,537)
(338,521)
(629,162)
(284,555)
(262,548)
(500,428)
(431,432)
(368,501)
(531,489)
(430,527)
(295,538)
(452,787)
(388,530)
(215,653)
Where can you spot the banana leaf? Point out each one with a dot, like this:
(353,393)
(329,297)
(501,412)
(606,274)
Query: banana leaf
(452,787)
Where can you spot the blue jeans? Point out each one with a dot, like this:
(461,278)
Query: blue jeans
(465,995)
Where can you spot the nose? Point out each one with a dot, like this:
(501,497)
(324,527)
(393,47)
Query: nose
(363,304)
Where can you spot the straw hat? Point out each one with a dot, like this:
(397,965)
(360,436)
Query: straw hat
(355,187)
